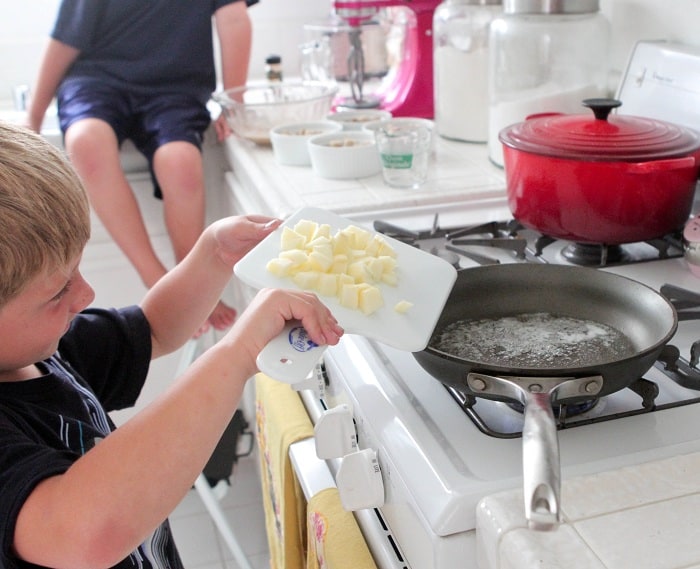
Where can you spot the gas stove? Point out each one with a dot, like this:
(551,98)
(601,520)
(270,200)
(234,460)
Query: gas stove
(441,451)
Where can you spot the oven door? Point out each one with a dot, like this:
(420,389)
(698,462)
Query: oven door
(315,475)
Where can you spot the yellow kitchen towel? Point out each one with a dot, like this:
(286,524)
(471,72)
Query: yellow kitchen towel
(334,538)
(281,420)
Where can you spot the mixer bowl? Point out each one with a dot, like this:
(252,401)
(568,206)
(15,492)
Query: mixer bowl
(251,111)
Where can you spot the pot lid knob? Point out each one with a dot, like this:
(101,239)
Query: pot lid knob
(601,107)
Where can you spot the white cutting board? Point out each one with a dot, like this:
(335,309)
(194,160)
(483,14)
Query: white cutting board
(423,279)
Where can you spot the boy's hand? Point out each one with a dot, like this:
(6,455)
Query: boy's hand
(267,314)
(235,236)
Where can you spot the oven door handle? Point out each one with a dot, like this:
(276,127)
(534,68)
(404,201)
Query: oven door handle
(312,473)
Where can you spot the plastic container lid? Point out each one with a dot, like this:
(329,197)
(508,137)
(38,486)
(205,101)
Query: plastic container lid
(600,137)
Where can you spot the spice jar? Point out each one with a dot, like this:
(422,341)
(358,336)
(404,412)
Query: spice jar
(273,68)
(544,57)
(460,63)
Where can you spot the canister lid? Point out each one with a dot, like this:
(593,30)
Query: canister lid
(600,136)
(550,6)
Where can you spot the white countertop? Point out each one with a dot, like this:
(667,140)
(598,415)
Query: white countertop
(459,173)
(640,517)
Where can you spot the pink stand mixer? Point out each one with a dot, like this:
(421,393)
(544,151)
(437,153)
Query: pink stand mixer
(410,91)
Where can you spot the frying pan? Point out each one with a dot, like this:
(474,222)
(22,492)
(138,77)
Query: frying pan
(645,317)
(425,280)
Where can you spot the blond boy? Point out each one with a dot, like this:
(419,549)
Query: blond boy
(74,492)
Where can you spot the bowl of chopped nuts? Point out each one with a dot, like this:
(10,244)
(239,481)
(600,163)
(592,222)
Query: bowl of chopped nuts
(289,141)
(344,155)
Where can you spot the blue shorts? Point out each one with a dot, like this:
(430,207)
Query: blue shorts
(149,120)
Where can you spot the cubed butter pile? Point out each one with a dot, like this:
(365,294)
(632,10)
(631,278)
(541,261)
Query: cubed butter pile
(351,264)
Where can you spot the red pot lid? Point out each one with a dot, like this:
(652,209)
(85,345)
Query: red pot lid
(600,136)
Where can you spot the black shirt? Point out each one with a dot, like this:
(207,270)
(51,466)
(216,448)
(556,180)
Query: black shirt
(47,423)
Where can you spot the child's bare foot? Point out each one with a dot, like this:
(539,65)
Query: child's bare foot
(222,317)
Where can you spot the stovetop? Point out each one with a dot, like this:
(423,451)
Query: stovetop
(430,449)
(508,241)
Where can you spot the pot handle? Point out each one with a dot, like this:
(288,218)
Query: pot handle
(652,166)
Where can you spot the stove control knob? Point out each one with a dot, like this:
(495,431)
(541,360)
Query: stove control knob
(335,433)
(359,481)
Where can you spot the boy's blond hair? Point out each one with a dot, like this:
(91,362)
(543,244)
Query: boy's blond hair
(44,210)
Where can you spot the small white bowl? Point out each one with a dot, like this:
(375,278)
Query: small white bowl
(355,119)
(344,155)
(289,141)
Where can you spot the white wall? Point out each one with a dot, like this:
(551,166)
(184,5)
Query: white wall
(633,20)
(278,28)
(24,26)
(23,29)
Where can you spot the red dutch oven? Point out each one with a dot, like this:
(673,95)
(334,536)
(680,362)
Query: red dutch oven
(600,178)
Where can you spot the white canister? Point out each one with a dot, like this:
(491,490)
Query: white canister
(544,57)
(460,63)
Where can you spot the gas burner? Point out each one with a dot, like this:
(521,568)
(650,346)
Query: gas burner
(600,255)
(523,244)
(502,419)
(591,255)
(564,410)
(491,417)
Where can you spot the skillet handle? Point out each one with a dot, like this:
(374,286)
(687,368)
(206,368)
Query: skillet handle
(541,470)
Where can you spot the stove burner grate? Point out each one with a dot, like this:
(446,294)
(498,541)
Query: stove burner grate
(528,245)
(600,255)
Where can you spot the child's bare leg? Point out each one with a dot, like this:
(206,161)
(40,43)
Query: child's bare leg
(179,169)
(92,147)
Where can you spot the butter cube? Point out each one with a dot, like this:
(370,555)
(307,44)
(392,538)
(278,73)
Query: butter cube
(340,264)
(296,256)
(370,300)
(291,239)
(279,267)
(350,296)
(322,230)
(307,280)
(319,261)
(403,306)
(327,284)
(306,228)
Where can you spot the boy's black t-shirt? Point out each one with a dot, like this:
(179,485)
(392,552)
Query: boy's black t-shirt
(47,423)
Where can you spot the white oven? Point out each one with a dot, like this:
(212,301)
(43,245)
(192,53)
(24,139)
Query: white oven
(439,455)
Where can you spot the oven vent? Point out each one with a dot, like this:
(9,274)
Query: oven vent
(400,562)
